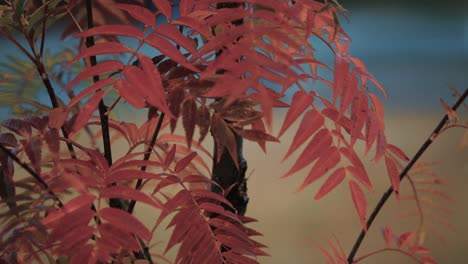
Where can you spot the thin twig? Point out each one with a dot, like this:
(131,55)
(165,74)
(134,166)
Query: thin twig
(17,44)
(403,173)
(102,106)
(32,172)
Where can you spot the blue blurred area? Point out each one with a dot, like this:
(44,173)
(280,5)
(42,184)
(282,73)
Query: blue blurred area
(414,53)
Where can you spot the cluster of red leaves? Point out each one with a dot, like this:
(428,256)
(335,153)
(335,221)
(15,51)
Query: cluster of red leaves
(225,93)
(88,233)
(268,46)
(405,242)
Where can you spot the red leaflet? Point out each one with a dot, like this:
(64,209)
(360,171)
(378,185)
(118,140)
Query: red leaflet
(128,175)
(393,174)
(397,151)
(125,192)
(330,259)
(224,138)
(197,163)
(102,48)
(69,222)
(124,89)
(171,32)
(139,13)
(358,169)
(126,222)
(258,124)
(256,135)
(237,258)
(114,236)
(372,131)
(77,203)
(103,67)
(88,109)
(195,23)
(57,117)
(203,121)
(197,179)
(185,7)
(166,48)
(8,139)
(378,108)
(418,249)
(155,95)
(340,74)
(218,209)
(189,118)
(84,255)
(330,184)
(310,123)
(427,260)
(339,254)
(164,6)
(175,98)
(201,194)
(359,109)
(405,239)
(170,156)
(348,92)
(183,140)
(118,30)
(184,162)
(236,243)
(95,86)
(388,235)
(300,101)
(327,161)
(98,159)
(18,126)
(321,142)
(360,202)
(381,146)
(33,149)
(266,101)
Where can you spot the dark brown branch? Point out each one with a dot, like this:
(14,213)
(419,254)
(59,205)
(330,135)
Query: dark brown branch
(23,165)
(102,107)
(403,173)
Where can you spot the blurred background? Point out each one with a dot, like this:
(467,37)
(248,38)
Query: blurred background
(416,50)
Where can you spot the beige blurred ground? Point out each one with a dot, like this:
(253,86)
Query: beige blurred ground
(290,221)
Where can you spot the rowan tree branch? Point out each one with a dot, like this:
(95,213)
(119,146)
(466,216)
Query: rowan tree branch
(403,173)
